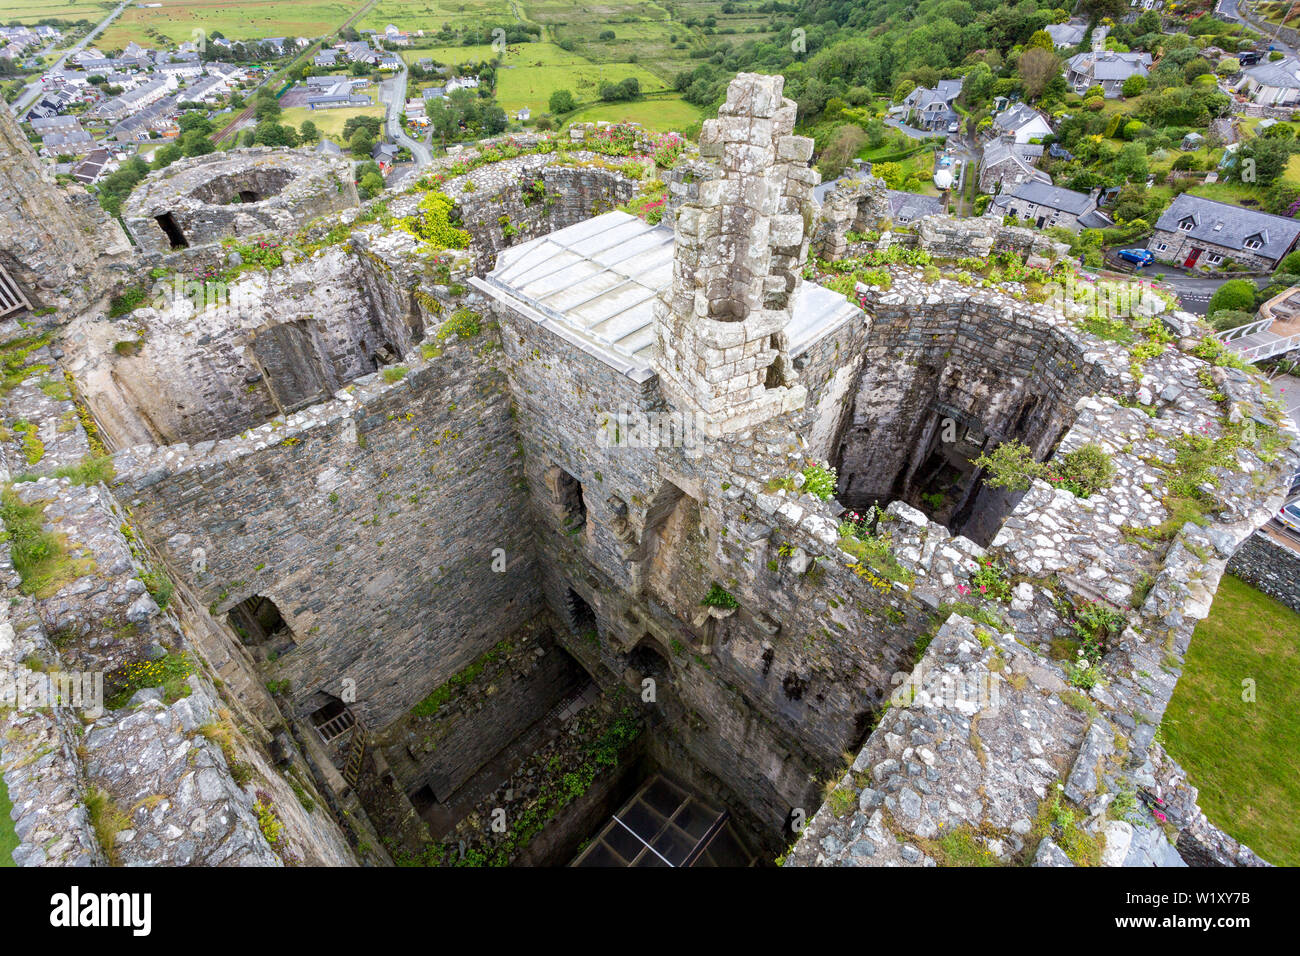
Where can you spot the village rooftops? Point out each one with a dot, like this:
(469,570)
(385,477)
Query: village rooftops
(1230,226)
(595,284)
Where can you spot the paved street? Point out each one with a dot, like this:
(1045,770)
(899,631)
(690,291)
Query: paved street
(393,92)
(33,91)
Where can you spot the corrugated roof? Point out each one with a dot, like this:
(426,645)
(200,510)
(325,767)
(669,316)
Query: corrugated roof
(597,282)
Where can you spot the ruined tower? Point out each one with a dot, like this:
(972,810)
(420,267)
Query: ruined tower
(742,235)
(50,247)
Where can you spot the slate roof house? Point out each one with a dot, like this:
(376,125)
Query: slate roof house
(1273,84)
(909,207)
(1009,164)
(1066,35)
(1023,122)
(1195,231)
(1106,69)
(932,108)
(1047,205)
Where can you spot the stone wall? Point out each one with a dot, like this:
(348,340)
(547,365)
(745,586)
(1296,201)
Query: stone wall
(500,206)
(370,521)
(207,360)
(943,353)
(1266,563)
(51,240)
(236,193)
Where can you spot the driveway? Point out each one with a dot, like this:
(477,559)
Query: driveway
(912,131)
(1231,10)
(1193,291)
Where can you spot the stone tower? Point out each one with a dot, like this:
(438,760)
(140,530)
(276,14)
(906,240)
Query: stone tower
(51,240)
(742,236)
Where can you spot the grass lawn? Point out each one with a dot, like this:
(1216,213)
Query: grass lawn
(1243,757)
(235,19)
(659,115)
(329,122)
(32,12)
(8,839)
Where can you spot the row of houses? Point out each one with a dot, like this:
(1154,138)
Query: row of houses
(19,40)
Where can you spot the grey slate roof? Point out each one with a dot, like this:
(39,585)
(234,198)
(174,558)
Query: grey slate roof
(1230,226)
(1014,117)
(909,207)
(1284,74)
(1053,197)
(1110,65)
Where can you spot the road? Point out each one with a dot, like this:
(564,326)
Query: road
(1193,291)
(34,89)
(1231,10)
(394,90)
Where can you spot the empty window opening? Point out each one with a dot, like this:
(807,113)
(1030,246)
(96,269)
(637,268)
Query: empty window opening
(258,621)
(174,235)
(333,720)
(247,195)
(566,495)
(582,619)
(649,661)
(11,296)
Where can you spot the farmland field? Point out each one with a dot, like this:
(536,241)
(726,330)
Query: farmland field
(659,115)
(34,11)
(176,20)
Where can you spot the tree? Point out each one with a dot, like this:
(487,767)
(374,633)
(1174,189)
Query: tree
(843,146)
(371,184)
(562,102)
(266,109)
(1135,85)
(361,143)
(1041,40)
(495,120)
(1235,294)
(196,143)
(308,132)
(1131,163)
(1228,66)
(1036,68)
(166,155)
(891,173)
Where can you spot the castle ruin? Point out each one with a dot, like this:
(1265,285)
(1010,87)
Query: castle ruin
(429,523)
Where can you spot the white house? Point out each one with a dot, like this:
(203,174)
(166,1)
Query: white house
(1273,84)
(1022,122)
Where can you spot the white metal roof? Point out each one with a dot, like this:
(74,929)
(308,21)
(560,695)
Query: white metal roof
(596,282)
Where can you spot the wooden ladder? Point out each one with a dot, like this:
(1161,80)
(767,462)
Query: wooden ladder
(356,755)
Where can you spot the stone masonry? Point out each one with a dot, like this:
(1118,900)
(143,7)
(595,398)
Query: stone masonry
(740,245)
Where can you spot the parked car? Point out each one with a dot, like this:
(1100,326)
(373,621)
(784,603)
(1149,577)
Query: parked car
(1289,515)
(1139,257)
(954,127)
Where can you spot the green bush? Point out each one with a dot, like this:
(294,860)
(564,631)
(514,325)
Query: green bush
(1235,294)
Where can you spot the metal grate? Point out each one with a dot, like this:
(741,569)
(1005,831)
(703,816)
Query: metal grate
(11,297)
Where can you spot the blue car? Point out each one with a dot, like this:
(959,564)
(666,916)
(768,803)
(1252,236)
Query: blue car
(1139,257)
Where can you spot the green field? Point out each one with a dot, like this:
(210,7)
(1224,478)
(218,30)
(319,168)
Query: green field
(330,122)
(177,20)
(34,11)
(1244,757)
(8,839)
(659,115)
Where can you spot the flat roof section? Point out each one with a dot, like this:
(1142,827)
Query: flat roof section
(595,283)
